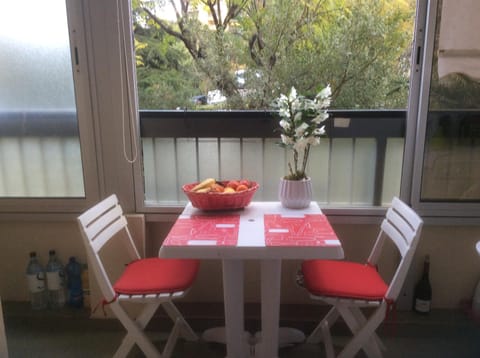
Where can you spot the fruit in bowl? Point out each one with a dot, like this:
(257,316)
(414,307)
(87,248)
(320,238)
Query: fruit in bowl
(210,194)
(210,185)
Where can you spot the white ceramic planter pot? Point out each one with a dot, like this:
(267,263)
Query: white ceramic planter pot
(295,194)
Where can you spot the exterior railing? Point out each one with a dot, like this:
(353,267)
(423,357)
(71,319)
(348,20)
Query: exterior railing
(40,155)
(358,163)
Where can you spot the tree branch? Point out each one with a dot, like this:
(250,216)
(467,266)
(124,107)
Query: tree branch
(163,24)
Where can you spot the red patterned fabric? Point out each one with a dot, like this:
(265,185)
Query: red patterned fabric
(221,230)
(343,279)
(156,275)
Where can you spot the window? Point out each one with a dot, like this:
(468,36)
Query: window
(241,55)
(40,127)
(377,146)
(240,58)
(448,168)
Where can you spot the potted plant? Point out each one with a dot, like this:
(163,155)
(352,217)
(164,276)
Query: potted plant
(300,128)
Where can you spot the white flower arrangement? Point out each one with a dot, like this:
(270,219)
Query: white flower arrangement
(300,120)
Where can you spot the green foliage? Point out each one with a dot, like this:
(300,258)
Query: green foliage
(165,74)
(373,51)
(360,47)
(455,91)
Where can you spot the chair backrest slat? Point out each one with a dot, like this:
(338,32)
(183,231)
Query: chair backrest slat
(403,226)
(102,222)
(92,214)
(98,225)
(396,236)
(108,232)
(407,212)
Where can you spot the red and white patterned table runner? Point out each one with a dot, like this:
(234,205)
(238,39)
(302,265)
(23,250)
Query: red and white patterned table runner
(204,230)
(278,230)
(310,230)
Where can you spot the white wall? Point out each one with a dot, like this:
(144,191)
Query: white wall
(455,265)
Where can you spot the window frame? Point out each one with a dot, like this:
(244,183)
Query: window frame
(105,170)
(24,205)
(441,212)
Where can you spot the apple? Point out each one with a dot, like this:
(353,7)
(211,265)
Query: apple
(232,184)
(245,182)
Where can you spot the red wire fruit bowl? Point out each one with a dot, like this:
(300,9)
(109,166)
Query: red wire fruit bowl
(220,201)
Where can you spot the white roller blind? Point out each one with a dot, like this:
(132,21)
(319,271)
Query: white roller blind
(459,42)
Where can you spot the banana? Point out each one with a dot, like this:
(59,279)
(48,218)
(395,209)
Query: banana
(206,184)
(202,190)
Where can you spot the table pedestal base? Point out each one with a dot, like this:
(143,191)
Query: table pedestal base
(287,336)
(219,335)
(252,343)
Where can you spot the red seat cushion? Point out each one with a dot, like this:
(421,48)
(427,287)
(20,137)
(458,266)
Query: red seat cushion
(343,279)
(156,275)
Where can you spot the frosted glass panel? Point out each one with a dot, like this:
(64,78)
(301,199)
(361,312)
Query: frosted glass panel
(38,119)
(343,169)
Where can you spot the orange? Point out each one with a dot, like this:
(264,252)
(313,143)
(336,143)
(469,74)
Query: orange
(242,187)
(217,188)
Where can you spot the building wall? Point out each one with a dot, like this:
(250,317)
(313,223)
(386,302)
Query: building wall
(455,264)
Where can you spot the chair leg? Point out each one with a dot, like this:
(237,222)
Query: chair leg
(327,340)
(135,333)
(362,333)
(3,335)
(185,330)
(330,318)
(172,339)
(362,320)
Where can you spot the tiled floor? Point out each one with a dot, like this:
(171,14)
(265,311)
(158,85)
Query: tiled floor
(68,333)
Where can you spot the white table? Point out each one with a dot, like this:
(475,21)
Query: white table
(262,231)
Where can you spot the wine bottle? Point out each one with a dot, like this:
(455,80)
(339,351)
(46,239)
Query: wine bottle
(422,297)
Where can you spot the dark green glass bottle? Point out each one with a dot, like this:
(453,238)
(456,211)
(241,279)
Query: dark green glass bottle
(422,296)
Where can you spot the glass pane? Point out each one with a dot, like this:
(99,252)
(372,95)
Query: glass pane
(39,143)
(451,165)
(241,55)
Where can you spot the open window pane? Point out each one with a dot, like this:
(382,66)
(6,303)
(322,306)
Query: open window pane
(242,54)
(202,71)
(39,137)
(451,162)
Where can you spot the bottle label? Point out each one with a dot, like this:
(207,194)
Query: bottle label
(36,282)
(422,306)
(54,280)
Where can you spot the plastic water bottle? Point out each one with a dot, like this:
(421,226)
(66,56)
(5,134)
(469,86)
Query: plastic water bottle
(74,283)
(476,302)
(36,282)
(85,286)
(476,294)
(55,282)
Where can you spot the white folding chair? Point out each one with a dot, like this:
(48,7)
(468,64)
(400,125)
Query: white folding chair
(150,282)
(350,287)
(3,335)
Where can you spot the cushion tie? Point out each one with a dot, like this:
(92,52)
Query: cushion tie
(374,266)
(391,312)
(104,302)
